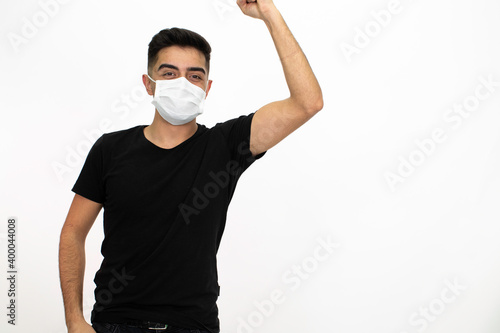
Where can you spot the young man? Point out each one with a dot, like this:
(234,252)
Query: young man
(166,187)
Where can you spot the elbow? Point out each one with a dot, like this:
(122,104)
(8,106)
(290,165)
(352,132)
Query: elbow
(319,105)
(308,104)
(314,106)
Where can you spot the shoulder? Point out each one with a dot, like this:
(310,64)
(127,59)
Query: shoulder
(121,136)
(240,123)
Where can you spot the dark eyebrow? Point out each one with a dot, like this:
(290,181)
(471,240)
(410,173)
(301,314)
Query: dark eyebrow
(168,66)
(197,69)
(190,69)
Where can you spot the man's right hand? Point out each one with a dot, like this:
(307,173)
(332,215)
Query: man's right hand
(82,327)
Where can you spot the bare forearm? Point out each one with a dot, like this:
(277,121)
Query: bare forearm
(71,271)
(302,83)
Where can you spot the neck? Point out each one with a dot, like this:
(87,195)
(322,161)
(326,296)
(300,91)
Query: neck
(167,136)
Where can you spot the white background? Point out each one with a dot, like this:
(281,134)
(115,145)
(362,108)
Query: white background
(397,246)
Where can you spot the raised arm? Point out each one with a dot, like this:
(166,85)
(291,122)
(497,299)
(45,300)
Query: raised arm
(81,216)
(275,121)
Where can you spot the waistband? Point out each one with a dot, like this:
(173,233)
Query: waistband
(153,326)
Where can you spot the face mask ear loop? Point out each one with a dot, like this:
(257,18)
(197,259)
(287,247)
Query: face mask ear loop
(151,78)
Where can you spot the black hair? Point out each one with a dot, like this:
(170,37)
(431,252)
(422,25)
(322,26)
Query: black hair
(179,37)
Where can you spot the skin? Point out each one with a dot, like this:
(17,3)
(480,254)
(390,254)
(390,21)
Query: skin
(275,121)
(160,132)
(271,124)
(81,217)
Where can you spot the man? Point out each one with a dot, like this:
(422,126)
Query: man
(165,189)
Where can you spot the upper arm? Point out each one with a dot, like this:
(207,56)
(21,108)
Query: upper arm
(274,122)
(81,216)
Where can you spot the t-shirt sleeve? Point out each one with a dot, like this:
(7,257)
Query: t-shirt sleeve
(90,183)
(237,133)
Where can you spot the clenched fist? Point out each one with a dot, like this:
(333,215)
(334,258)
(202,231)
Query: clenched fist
(259,9)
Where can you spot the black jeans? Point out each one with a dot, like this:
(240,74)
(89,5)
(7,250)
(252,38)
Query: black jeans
(121,328)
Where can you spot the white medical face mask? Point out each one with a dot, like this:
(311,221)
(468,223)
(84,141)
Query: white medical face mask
(178,101)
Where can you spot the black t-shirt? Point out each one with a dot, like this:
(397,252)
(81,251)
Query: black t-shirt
(164,215)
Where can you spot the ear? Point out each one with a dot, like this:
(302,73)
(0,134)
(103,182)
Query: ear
(209,85)
(150,85)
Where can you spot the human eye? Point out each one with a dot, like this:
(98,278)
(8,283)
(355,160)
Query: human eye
(196,77)
(169,74)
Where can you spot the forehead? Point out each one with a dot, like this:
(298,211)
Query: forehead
(182,57)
